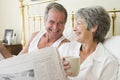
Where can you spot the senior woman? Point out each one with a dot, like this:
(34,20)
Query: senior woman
(96,63)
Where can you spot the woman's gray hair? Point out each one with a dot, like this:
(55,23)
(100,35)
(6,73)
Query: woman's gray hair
(93,16)
(55,6)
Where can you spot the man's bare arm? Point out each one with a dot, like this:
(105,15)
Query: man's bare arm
(25,48)
(6,54)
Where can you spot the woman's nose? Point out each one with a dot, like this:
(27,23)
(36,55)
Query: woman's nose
(74,29)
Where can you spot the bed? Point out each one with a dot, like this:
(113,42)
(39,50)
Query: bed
(32,22)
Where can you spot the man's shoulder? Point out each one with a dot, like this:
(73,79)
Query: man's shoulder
(35,33)
(65,41)
(71,44)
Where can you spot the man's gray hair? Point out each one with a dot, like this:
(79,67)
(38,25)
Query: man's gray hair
(55,6)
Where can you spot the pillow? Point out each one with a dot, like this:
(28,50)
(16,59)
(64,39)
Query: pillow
(113,45)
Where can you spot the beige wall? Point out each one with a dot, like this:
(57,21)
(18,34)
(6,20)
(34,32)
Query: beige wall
(10,13)
(10,17)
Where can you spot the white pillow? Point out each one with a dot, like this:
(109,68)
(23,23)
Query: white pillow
(113,45)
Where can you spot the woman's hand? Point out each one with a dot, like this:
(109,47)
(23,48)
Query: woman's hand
(66,66)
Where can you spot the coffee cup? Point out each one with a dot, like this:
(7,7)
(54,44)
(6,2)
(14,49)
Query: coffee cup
(75,65)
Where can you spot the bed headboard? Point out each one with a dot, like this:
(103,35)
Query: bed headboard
(32,18)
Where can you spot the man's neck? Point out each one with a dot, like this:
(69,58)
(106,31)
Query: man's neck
(50,39)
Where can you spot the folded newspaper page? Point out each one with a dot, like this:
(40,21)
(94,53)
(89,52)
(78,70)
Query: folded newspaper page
(44,64)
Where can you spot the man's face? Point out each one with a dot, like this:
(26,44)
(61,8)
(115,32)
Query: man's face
(55,23)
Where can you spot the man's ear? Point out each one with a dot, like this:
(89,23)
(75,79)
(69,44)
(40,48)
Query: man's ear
(94,29)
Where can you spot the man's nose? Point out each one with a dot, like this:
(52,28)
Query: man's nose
(55,26)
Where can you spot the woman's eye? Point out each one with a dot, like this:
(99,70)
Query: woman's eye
(78,23)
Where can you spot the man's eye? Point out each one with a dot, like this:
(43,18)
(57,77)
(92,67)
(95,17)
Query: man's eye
(51,22)
(61,23)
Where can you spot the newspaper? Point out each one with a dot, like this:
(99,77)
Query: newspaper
(44,64)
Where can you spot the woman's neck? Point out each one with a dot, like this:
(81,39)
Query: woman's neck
(86,50)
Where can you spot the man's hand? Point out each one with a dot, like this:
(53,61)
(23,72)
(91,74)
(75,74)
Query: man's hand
(5,53)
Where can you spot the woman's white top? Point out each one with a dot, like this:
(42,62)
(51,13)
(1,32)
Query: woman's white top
(34,43)
(99,65)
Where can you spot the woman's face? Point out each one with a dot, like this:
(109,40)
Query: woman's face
(80,29)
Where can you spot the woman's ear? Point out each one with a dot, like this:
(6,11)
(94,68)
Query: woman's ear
(94,29)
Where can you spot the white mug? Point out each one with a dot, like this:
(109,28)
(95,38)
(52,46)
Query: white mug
(75,65)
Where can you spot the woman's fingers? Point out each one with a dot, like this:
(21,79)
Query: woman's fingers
(66,67)
(68,74)
(65,63)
